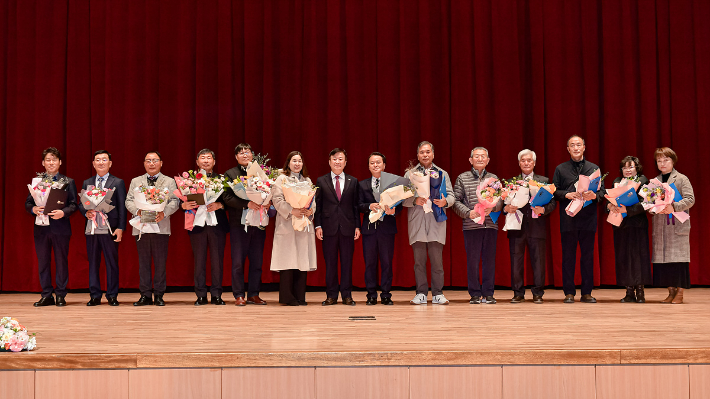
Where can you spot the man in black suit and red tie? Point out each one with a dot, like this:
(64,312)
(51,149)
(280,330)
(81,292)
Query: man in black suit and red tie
(337,224)
(54,236)
(532,234)
(101,239)
(377,237)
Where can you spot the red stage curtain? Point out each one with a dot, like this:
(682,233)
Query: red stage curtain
(138,75)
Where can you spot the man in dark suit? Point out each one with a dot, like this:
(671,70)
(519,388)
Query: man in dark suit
(212,238)
(247,243)
(533,234)
(580,229)
(337,222)
(54,236)
(377,237)
(100,239)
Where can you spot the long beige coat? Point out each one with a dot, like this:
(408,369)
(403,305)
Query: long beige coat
(292,249)
(671,241)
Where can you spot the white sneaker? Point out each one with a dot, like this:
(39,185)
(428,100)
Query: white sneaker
(439,300)
(419,299)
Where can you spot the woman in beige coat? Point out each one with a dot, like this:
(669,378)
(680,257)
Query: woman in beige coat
(294,252)
(671,238)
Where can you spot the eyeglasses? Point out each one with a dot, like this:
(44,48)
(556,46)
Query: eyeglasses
(101,160)
(153,161)
(244,153)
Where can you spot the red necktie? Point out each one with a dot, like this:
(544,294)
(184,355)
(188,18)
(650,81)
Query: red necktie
(337,187)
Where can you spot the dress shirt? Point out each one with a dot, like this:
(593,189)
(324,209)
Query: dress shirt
(103,182)
(527,177)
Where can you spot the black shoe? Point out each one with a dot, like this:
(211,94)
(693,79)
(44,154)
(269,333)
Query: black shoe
(387,301)
(630,295)
(329,301)
(45,301)
(475,300)
(371,301)
(201,300)
(569,298)
(144,300)
(303,303)
(217,300)
(587,299)
(517,299)
(159,301)
(537,299)
(61,301)
(112,301)
(640,296)
(94,302)
(292,303)
(489,300)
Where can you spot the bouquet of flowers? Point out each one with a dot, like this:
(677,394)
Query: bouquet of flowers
(585,183)
(488,193)
(14,337)
(299,195)
(256,187)
(515,192)
(40,187)
(622,195)
(98,200)
(197,183)
(149,198)
(540,194)
(422,185)
(656,196)
(397,189)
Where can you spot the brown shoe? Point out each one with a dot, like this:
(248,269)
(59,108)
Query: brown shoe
(255,300)
(672,291)
(678,299)
(569,298)
(348,301)
(240,301)
(329,301)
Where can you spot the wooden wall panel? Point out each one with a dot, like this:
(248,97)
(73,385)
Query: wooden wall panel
(455,382)
(175,383)
(18,384)
(268,383)
(643,382)
(81,384)
(548,382)
(362,382)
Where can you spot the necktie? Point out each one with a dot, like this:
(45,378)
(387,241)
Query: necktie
(337,187)
(377,184)
(101,183)
(152,180)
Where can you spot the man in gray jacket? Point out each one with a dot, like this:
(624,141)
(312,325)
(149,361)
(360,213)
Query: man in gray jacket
(426,235)
(479,239)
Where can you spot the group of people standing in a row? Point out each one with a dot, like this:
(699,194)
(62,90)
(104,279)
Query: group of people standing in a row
(336,211)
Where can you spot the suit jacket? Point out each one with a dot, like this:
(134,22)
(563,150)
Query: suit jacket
(671,238)
(534,228)
(172,205)
(59,226)
(117,216)
(388,225)
(234,204)
(333,215)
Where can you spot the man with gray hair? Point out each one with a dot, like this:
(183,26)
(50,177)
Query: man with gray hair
(479,239)
(532,234)
(426,235)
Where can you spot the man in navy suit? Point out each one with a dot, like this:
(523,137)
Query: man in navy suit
(101,239)
(337,222)
(55,236)
(377,237)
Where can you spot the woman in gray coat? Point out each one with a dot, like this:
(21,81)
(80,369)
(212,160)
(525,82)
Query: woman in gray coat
(671,238)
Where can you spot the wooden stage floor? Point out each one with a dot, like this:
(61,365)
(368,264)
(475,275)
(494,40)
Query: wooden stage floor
(182,335)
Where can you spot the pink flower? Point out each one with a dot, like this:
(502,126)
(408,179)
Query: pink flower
(193,191)
(185,175)
(15,344)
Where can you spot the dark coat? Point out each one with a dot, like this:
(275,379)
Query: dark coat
(333,215)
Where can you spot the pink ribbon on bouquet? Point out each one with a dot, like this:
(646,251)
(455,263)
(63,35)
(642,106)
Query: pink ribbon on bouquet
(189,215)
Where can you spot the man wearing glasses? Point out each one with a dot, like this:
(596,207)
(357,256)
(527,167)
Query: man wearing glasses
(247,243)
(106,234)
(580,229)
(153,246)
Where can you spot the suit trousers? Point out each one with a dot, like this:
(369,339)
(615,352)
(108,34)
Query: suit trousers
(332,246)
(211,239)
(95,245)
(152,248)
(45,242)
(481,248)
(292,286)
(378,246)
(246,244)
(435,250)
(585,239)
(536,251)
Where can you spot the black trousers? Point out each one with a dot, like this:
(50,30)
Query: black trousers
(152,248)
(45,242)
(378,246)
(570,240)
(292,286)
(246,244)
(211,239)
(536,251)
(332,246)
(481,246)
(95,245)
